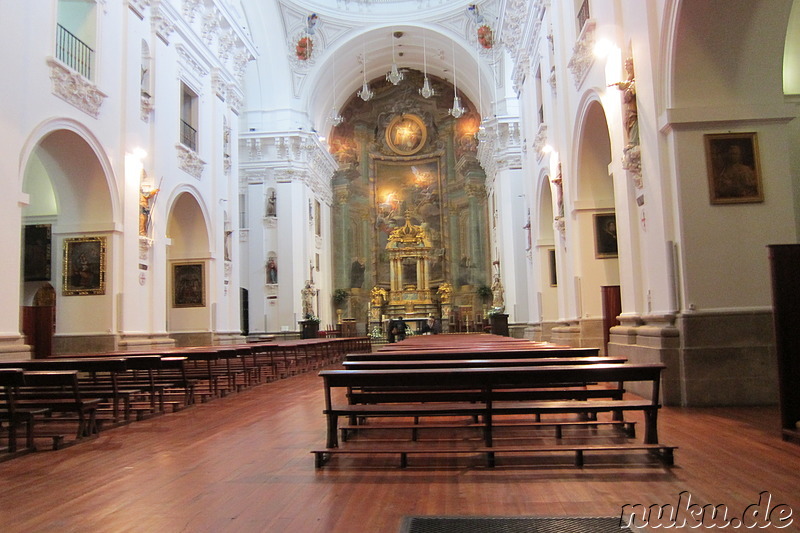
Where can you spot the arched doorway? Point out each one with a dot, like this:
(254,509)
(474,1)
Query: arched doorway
(188,273)
(67,244)
(597,251)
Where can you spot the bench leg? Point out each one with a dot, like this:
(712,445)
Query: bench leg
(333,423)
(403,460)
(579,458)
(490,462)
(650,427)
(320,458)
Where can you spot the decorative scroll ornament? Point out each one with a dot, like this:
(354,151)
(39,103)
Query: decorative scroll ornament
(189,161)
(75,89)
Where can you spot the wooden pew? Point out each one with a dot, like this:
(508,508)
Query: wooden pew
(13,416)
(490,381)
(460,354)
(59,392)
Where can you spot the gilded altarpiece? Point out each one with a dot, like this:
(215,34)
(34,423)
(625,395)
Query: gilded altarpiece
(408,169)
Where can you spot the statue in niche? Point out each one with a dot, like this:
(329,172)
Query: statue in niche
(272,204)
(357,269)
(147,197)
(272,271)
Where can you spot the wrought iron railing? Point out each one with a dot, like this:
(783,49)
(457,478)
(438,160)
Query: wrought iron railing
(73,52)
(583,14)
(188,135)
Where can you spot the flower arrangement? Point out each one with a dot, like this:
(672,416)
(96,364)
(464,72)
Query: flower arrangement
(311,318)
(304,48)
(485,36)
(340,296)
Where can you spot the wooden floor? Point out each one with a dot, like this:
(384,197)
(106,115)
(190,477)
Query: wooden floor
(242,463)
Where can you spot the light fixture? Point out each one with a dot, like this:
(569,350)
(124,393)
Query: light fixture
(481,133)
(365,93)
(426,91)
(457,110)
(334,116)
(394,76)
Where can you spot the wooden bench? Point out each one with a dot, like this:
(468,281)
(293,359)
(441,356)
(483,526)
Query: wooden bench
(13,416)
(492,384)
(421,355)
(59,393)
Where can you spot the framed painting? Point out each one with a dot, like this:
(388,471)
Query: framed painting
(605,235)
(734,171)
(37,258)
(406,134)
(84,266)
(188,285)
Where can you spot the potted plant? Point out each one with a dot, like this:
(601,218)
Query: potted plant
(484,292)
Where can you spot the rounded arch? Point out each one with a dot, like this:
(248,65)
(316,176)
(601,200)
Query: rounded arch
(592,186)
(713,64)
(546,214)
(80,146)
(188,224)
(419,44)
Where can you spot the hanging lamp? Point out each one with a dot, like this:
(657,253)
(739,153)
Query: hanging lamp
(394,76)
(457,110)
(334,116)
(426,91)
(365,93)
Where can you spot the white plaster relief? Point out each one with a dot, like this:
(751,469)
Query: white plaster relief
(189,161)
(75,89)
(583,54)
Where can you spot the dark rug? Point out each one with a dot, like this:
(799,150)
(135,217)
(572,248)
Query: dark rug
(512,524)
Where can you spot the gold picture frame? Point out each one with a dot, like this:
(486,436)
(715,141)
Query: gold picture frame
(188,285)
(406,134)
(84,266)
(734,170)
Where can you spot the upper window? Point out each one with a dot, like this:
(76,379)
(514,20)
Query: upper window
(76,33)
(188,117)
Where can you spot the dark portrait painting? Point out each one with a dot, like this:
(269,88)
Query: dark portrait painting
(734,174)
(38,242)
(188,289)
(84,266)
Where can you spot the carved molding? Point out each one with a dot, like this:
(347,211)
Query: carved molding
(188,59)
(583,54)
(75,89)
(146,106)
(162,25)
(189,161)
(138,7)
(190,9)
(540,141)
(632,162)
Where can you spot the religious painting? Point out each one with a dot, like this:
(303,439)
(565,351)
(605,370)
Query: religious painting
(734,173)
(37,258)
(406,134)
(605,235)
(188,286)
(410,190)
(84,266)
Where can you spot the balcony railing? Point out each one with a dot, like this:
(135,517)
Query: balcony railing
(583,14)
(188,136)
(73,52)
